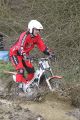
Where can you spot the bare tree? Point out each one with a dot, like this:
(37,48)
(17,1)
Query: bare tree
(5,2)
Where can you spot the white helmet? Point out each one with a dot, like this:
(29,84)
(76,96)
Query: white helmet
(34,24)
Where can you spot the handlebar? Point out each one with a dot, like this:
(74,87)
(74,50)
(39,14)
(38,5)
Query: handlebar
(35,57)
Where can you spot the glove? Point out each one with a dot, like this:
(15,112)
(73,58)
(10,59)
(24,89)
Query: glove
(52,56)
(21,51)
(24,55)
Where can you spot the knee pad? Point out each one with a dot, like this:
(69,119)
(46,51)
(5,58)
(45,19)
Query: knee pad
(21,71)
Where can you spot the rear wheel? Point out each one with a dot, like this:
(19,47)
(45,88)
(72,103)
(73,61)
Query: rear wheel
(31,92)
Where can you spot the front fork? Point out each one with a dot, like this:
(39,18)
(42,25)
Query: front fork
(48,83)
(48,78)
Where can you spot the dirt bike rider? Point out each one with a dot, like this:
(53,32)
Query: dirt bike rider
(23,46)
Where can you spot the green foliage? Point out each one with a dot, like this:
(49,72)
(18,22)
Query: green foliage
(5,66)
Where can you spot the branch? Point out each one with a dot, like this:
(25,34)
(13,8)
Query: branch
(9,72)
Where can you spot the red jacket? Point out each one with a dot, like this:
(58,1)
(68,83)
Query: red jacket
(26,42)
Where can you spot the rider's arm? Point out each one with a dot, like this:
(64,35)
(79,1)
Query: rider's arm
(42,47)
(45,49)
(21,43)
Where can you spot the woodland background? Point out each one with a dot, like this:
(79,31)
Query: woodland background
(61,21)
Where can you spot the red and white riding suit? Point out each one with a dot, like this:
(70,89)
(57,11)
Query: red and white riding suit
(25,43)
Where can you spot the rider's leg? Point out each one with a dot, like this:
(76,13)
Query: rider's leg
(17,62)
(20,76)
(30,69)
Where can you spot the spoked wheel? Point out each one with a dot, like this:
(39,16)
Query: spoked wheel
(55,83)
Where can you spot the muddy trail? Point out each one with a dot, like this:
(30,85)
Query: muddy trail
(46,106)
(50,106)
(27,110)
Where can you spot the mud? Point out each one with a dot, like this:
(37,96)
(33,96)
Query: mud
(13,111)
(47,106)
(51,107)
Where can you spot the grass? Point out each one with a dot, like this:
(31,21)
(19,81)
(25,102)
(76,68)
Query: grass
(7,67)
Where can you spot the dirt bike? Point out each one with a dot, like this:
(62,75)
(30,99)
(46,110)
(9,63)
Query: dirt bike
(43,73)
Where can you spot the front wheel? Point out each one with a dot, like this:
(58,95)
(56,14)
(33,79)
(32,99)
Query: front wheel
(55,83)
